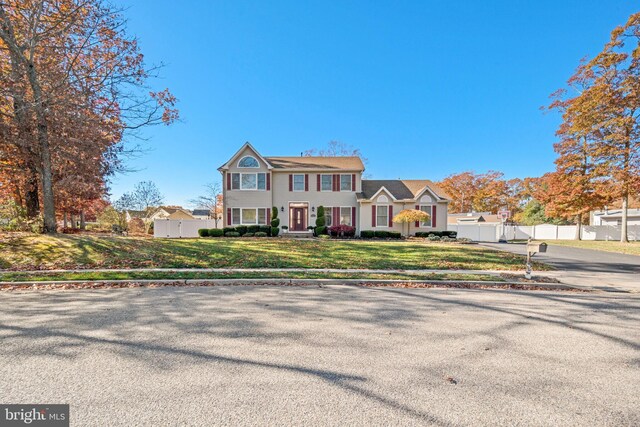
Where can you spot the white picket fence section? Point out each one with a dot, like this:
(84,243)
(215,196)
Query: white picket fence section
(181,228)
(492,232)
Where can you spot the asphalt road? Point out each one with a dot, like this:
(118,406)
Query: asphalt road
(578,259)
(335,355)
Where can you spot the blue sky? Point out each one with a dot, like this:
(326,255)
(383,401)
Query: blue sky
(424,88)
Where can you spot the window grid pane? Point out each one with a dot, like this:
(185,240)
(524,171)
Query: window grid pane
(345,182)
(262,216)
(326,182)
(248,216)
(235,181)
(298,182)
(382,216)
(248,181)
(235,216)
(426,209)
(262,181)
(345,216)
(328,216)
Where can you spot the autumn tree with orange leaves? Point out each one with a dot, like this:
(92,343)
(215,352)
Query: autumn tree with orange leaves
(74,86)
(599,151)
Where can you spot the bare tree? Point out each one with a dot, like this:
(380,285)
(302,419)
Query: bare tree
(337,148)
(211,200)
(146,197)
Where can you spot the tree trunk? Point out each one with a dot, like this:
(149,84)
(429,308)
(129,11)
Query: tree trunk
(73,221)
(623,227)
(40,107)
(64,219)
(31,195)
(578,227)
(83,225)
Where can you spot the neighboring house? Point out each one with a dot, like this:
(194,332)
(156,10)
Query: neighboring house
(614,217)
(173,212)
(473,218)
(201,213)
(131,214)
(296,186)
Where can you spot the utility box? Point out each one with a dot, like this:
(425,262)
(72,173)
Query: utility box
(536,247)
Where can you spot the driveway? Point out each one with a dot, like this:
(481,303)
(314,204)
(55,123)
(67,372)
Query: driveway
(240,355)
(585,267)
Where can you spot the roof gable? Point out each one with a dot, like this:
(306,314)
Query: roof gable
(246,145)
(402,189)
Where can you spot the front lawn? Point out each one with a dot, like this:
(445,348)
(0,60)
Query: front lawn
(33,252)
(631,248)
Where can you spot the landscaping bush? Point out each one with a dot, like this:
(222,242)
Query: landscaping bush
(447,239)
(367,234)
(275,221)
(433,238)
(320,219)
(464,240)
(395,235)
(241,229)
(321,230)
(231,234)
(215,232)
(253,229)
(265,229)
(226,230)
(275,231)
(203,232)
(260,234)
(342,230)
(381,234)
(247,235)
(451,234)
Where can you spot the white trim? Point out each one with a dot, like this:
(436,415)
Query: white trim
(246,144)
(329,175)
(248,167)
(257,216)
(421,192)
(350,214)
(248,189)
(430,214)
(386,223)
(379,190)
(293,182)
(350,175)
(289,214)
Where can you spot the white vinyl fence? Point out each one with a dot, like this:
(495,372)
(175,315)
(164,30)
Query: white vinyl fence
(492,232)
(181,228)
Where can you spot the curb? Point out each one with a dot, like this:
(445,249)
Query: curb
(280,281)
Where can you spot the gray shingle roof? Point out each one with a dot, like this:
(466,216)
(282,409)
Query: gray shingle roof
(400,188)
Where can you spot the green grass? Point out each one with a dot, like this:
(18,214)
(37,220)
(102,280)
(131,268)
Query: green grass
(150,275)
(631,248)
(31,252)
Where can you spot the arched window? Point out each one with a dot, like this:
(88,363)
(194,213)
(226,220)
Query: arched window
(383,199)
(426,199)
(248,162)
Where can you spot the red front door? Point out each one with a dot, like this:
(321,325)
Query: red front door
(298,219)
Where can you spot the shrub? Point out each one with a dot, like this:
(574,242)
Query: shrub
(265,229)
(247,235)
(320,220)
(342,230)
(367,234)
(433,238)
(275,231)
(136,225)
(260,234)
(451,234)
(241,229)
(464,240)
(231,234)
(395,235)
(253,229)
(381,234)
(203,232)
(215,232)
(226,230)
(446,239)
(321,230)
(275,221)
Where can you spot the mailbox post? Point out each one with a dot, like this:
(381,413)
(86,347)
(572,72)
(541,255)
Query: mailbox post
(532,249)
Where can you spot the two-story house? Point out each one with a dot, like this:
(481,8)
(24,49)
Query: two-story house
(296,186)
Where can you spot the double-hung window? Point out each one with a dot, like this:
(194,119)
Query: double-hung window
(382,216)
(298,182)
(249,216)
(345,215)
(427,209)
(326,182)
(249,181)
(328,216)
(345,183)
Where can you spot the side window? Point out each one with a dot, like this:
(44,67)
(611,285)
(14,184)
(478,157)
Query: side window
(382,216)
(427,209)
(298,182)
(326,182)
(235,181)
(328,216)
(345,183)
(345,215)
(235,216)
(248,162)
(262,181)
